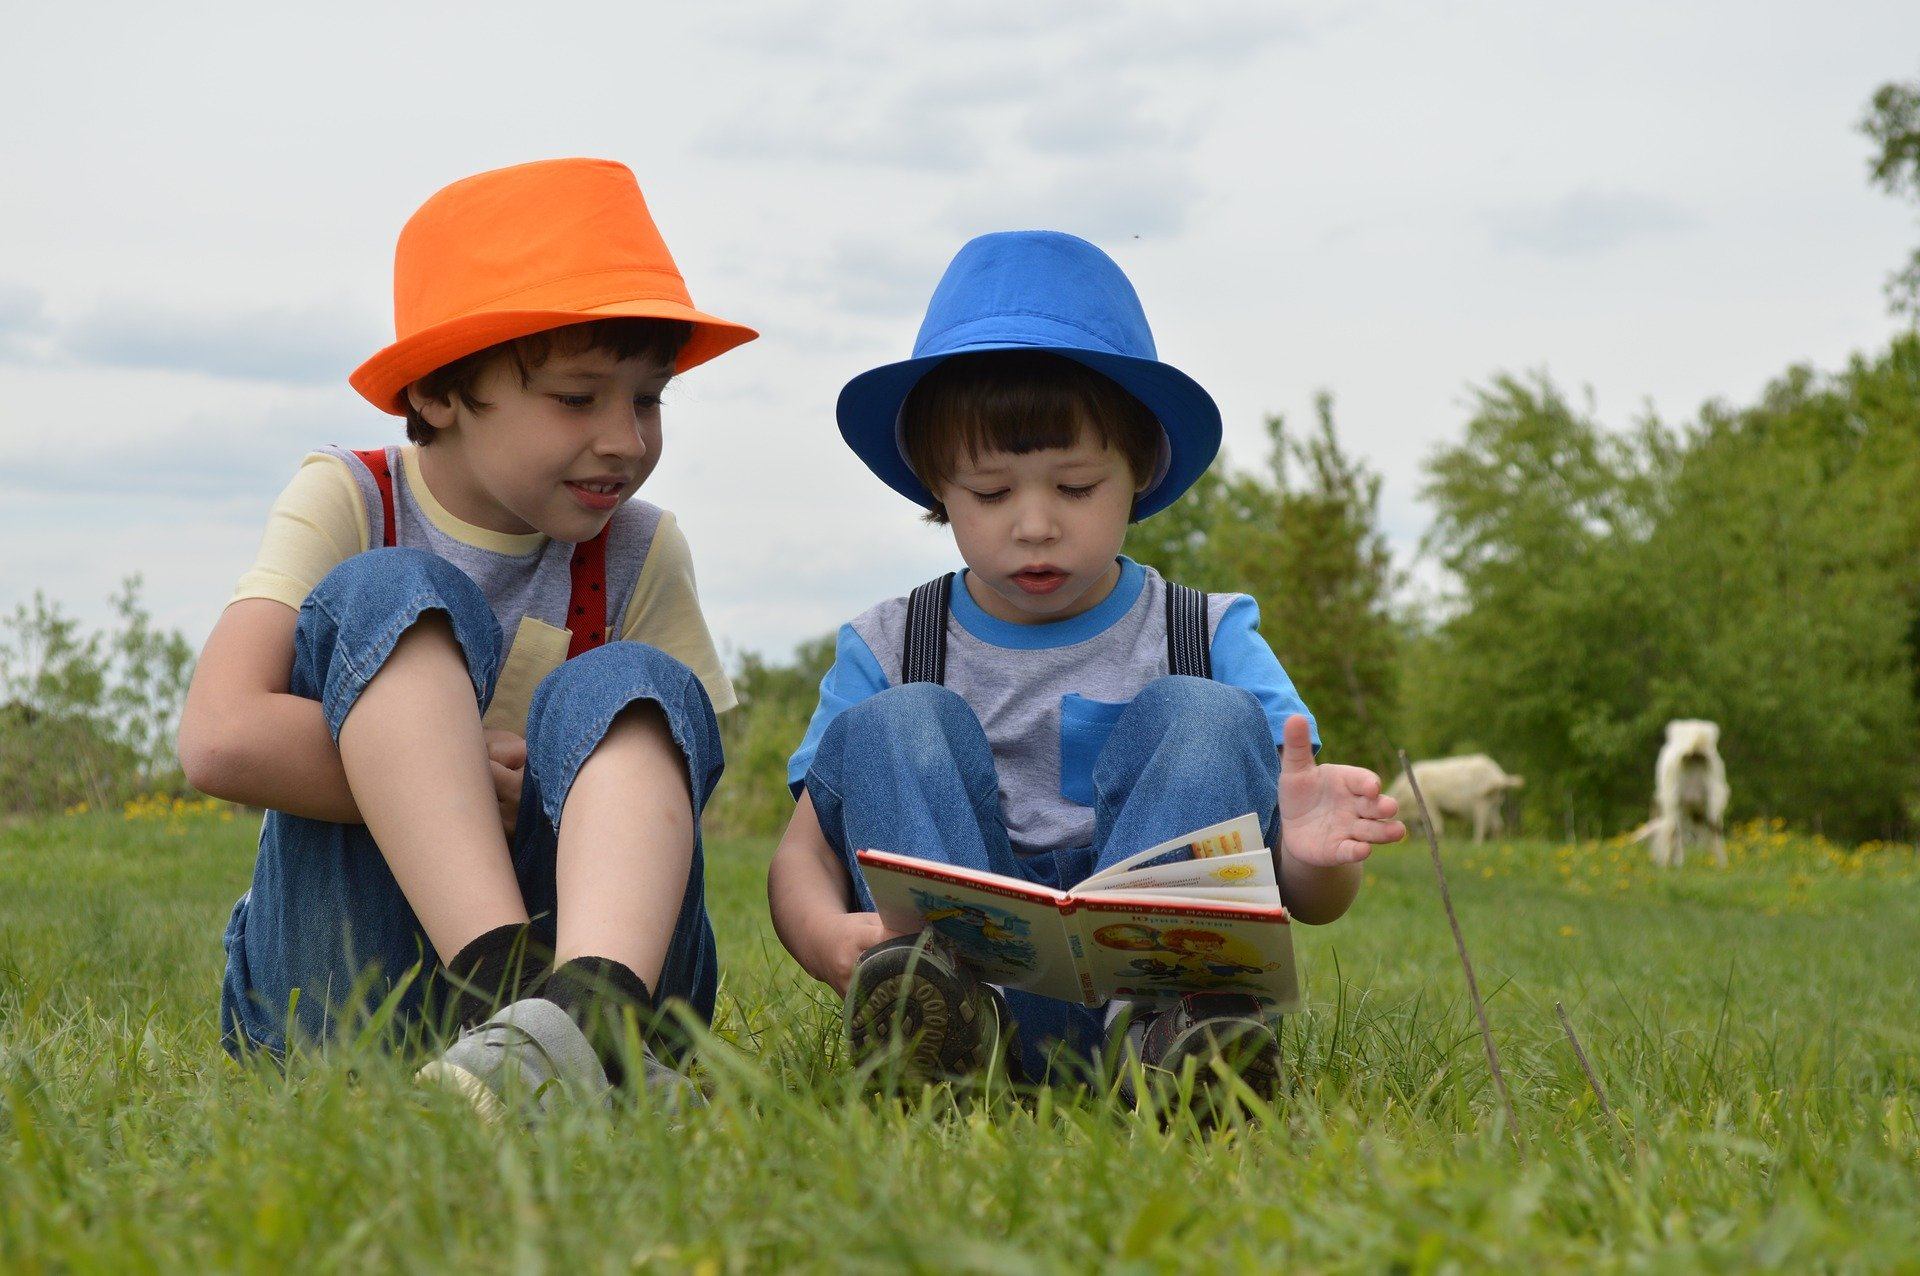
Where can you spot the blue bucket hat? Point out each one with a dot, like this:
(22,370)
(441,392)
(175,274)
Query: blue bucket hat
(1037,290)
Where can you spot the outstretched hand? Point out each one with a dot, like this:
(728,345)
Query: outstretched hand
(1330,814)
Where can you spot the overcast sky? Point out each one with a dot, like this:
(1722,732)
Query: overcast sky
(1665,203)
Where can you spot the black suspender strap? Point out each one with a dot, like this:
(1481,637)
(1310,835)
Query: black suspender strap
(1188,651)
(923,657)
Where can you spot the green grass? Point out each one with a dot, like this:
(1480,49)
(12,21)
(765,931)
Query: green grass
(1754,1030)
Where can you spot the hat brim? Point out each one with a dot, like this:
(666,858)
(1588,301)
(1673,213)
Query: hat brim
(869,415)
(383,379)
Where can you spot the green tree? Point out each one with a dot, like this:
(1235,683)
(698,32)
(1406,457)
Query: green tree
(1542,658)
(1784,562)
(1893,122)
(1756,569)
(759,736)
(88,717)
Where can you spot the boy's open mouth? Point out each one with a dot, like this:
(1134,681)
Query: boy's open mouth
(596,496)
(1042,580)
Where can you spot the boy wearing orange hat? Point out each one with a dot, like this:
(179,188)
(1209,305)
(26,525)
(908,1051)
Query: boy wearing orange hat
(469,678)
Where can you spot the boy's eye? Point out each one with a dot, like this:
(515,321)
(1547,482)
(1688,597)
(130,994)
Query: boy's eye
(574,400)
(646,402)
(1078,493)
(988,498)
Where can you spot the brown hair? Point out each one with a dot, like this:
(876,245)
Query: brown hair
(1019,401)
(623,338)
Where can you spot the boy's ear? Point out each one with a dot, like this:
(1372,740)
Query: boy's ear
(436,412)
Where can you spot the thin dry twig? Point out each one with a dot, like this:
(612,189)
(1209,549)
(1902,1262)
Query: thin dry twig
(1566,1025)
(1466,963)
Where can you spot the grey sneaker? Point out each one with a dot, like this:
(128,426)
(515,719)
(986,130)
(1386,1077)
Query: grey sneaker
(529,1059)
(1201,1026)
(911,993)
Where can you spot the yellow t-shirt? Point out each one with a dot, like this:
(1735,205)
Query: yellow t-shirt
(320,521)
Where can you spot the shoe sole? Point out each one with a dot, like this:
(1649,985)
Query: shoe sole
(448,1076)
(908,1000)
(1248,1048)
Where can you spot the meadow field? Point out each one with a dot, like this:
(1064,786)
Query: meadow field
(1755,1032)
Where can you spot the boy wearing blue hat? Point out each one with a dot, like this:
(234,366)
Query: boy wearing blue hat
(1055,706)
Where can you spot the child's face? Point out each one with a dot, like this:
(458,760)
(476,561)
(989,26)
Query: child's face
(557,455)
(1040,530)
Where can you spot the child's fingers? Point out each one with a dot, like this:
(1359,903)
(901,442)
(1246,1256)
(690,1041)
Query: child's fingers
(506,749)
(1381,832)
(1296,745)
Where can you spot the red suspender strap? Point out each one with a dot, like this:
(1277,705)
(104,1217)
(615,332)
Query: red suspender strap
(375,459)
(587,608)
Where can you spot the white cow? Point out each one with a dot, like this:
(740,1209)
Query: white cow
(1470,787)
(1689,793)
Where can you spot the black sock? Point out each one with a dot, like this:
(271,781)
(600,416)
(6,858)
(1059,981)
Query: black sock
(599,994)
(493,970)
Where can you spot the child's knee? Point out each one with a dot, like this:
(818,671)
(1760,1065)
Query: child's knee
(629,685)
(1179,699)
(351,623)
(396,572)
(593,688)
(911,709)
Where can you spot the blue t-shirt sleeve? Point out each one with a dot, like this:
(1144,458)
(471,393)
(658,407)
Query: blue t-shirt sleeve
(854,676)
(1241,658)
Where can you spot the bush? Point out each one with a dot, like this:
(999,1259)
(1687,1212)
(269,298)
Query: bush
(759,736)
(88,717)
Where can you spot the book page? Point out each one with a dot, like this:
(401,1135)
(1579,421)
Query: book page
(1229,877)
(1153,950)
(1008,931)
(1229,837)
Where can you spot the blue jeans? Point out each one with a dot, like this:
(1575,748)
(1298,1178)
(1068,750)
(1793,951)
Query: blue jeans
(910,770)
(325,934)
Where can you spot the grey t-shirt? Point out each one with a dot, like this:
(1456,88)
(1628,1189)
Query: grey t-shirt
(1048,695)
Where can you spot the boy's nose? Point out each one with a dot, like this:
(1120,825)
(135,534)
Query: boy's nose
(623,434)
(1034,522)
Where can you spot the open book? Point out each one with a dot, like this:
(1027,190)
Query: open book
(1200,913)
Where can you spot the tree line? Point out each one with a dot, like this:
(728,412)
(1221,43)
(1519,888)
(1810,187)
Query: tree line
(1758,566)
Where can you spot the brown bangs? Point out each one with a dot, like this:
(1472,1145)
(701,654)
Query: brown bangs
(623,338)
(1018,401)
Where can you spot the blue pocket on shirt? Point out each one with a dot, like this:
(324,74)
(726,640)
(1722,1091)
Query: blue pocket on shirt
(1085,726)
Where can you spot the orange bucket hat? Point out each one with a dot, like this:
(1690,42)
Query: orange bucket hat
(519,250)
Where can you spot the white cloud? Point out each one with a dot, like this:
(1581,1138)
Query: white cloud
(1585,223)
(1389,200)
(291,346)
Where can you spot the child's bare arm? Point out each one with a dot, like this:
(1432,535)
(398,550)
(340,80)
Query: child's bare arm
(243,737)
(811,900)
(1331,818)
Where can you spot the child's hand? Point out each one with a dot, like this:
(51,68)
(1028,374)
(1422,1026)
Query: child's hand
(838,944)
(1330,814)
(507,761)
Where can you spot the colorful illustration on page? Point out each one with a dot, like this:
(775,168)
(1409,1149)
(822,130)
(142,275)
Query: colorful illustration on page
(1227,843)
(1190,956)
(978,928)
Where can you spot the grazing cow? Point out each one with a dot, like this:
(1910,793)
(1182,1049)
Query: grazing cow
(1689,793)
(1471,787)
